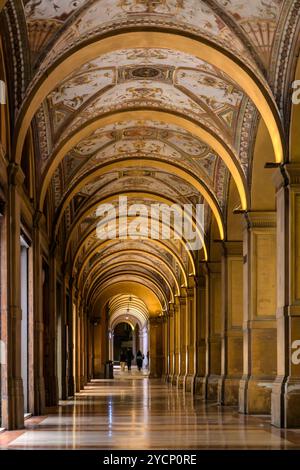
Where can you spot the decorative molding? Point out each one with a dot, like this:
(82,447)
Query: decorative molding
(263,219)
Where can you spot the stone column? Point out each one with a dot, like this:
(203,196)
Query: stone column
(156,353)
(64,345)
(38,320)
(176,342)
(232,323)
(71,345)
(12,385)
(165,346)
(52,365)
(286,390)
(183,319)
(260,332)
(202,334)
(191,339)
(77,344)
(171,343)
(145,341)
(82,346)
(214,330)
(110,345)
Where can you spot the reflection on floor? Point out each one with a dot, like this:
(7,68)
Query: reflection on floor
(134,373)
(131,413)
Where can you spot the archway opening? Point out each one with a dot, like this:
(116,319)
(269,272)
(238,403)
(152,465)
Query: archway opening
(123,340)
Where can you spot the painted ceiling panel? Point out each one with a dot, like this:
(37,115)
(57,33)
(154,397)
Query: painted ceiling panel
(259,20)
(99,15)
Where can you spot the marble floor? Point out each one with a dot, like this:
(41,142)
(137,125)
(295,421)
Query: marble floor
(134,412)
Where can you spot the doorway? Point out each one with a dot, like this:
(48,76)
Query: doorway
(123,340)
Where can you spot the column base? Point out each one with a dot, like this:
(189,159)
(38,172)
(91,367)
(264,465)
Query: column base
(286,403)
(13,405)
(255,395)
(212,387)
(228,392)
(181,381)
(200,387)
(174,380)
(39,396)
(190,383)
(169,378)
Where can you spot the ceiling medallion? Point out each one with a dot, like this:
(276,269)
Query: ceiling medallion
(145,72)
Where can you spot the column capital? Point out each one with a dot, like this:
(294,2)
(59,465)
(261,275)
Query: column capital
(171,310)
(155,320)
(15,174)
(287,174)
(214,266)
(260,219)
(232,247)
(182,299)
(37,219)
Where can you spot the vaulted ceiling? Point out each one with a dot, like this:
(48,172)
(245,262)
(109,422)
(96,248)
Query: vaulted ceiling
(155,99)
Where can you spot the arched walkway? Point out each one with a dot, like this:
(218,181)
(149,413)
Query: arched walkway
(150,201)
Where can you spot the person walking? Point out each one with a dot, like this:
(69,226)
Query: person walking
(122,360)
(139,360)
(129,357)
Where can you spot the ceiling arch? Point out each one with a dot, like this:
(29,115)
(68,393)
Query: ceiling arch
(97,269)
(152,299)
(253,85)
(219,147)
(125,279)
(93,206)
(141,163)
(95,244)
(125,306)
(157,243)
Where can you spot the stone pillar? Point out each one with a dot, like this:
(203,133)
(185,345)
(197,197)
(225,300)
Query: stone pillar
(214,330)
(176,342)
(71,345)
(183,319)
(232,323)
(286,390)
(165,346)
(260,332)
(77,344)
(64,345)
(52,382)
(191,339)
(145,342)
(171,343)
(156,353)
(12,386)
(38,320)
(110,344)
(82,346)
(202,329)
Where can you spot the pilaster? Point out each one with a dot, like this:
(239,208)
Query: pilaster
(202,333)
(286,389)
(232,323)
(12,385)
(38,321)
(214,331)
(259,323)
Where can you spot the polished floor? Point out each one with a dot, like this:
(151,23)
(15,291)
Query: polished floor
(133,412)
